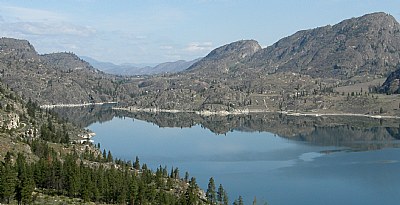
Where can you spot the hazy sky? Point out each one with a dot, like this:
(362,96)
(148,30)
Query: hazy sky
(154,31)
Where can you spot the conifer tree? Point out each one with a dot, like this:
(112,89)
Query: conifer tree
(25,184)
(220,194)
(210,194)
(240,200)
(190,194)
(109,156)
(225,199)
(136,165)
(186,177)
(176,173)
(255,201)
(104,155)
(8,179)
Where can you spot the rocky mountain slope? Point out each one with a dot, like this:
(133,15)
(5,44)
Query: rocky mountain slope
(392,83)
(52,78)
(364,46)
(368,45)
(224,58)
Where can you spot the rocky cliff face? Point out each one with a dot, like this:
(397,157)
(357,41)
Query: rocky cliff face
(367,45)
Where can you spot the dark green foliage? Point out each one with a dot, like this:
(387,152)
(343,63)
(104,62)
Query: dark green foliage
(25,183)
(8,180)
(211,194)
(136,165)
(102,184)
(187,175)
(222,196)
(109,157)
(240,200)
(32,107)
(49,132)
(190,196)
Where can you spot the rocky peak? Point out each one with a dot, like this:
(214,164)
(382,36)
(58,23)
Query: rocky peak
(16,47)
(222,58)
(238,49)
(367,45)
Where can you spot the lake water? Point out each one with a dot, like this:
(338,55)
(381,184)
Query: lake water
(316,161)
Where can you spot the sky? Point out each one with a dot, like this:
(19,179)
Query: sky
(156,31)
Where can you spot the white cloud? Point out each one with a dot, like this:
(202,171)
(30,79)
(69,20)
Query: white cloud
(46,28)
(166,47)
(29,14)
(199,46)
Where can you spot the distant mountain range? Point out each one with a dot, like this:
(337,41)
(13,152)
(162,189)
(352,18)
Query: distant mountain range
(138,69)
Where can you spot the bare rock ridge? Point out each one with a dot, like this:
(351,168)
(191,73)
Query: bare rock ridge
(224,57)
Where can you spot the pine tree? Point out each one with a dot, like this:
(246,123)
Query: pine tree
(176,173)
(8,179)
(109,156)
(136,165)
(71,173)
(240,200)
(186,177)
(25,184)
(190,195)
(255,198)
(210,194)
(225,199)
(220,194)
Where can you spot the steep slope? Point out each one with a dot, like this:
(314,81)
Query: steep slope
(224,58)
(392,83)
(52,78)
(367,45)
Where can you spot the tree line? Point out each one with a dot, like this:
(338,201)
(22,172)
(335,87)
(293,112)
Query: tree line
(110,183)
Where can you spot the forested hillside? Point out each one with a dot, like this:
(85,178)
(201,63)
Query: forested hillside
(41,160)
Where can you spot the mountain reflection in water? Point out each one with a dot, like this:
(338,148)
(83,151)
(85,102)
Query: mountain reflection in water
(355,133)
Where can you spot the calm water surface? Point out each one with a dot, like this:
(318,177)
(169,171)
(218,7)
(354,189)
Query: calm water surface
(274,169)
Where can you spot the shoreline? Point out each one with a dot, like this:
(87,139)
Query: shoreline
(74,105)
(247,111)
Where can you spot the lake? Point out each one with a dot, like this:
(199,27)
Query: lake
(278,159)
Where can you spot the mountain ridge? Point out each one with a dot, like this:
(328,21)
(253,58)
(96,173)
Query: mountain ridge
(366,45)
